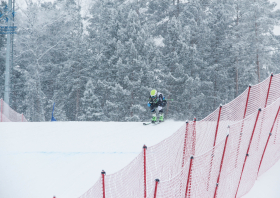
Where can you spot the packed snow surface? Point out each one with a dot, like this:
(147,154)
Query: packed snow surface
(64,159)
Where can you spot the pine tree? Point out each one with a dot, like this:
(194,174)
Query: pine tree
(200,54)
(91,108)
(255,39)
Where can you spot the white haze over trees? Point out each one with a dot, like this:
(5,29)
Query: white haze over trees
(101,65)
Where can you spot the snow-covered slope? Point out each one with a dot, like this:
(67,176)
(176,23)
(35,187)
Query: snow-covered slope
(40,160)
(267,185)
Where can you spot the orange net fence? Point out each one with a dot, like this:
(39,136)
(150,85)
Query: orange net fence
(7,114)
(219,156)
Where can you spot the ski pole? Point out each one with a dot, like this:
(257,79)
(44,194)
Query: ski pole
(169,99)
(168,106)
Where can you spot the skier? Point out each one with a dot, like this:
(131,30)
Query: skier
(156,102)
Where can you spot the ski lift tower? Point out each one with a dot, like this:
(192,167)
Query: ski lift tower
(8,53)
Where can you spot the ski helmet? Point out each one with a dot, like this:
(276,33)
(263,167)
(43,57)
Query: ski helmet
(153,93)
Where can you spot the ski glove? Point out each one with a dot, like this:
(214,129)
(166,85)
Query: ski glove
(164,103)
(149,104)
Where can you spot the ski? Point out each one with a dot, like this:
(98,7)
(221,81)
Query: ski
(157,123)
(147,123)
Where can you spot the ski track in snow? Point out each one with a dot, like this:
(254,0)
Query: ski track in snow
(64,159)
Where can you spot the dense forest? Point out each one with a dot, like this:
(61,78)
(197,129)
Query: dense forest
(99,62)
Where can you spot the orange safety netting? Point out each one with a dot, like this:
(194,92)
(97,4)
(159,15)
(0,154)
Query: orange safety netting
(219,156)
(7,114)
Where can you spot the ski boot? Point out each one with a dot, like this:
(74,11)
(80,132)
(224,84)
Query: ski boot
(154,119)
(161,117)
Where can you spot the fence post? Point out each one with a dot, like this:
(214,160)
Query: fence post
(268,138)
(189,178)
(217,128)
(265,111)
(145,171)
(157,181)
(185,143)
(268,89)
(246,106)
(247,154)
(245,111)
(222,160)
(103,173)
(194,137)
(1,109)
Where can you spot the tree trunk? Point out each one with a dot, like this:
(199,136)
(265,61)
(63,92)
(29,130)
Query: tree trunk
(178,8)
(257,58)
(237,63)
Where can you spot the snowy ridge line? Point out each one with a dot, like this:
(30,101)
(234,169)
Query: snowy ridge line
(7,114)
(200,159)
